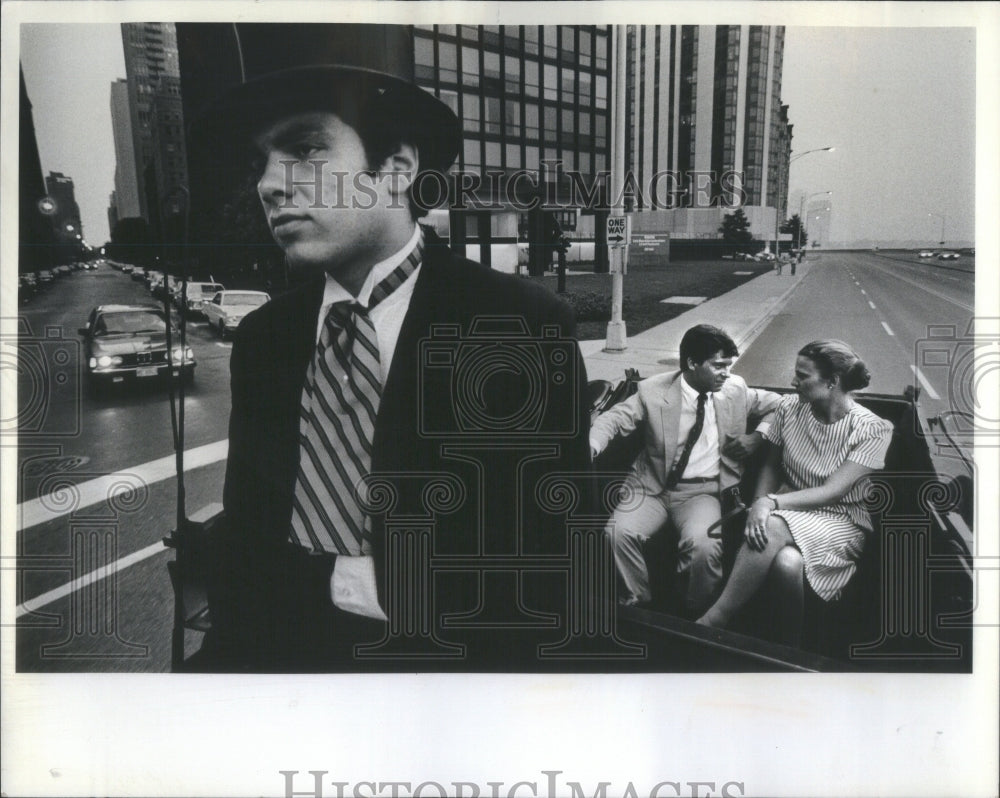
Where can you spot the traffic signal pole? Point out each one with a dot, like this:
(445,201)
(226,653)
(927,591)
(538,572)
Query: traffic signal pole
(618,254)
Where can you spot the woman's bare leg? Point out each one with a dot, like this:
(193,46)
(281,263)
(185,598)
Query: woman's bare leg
(749,572)
(785,581)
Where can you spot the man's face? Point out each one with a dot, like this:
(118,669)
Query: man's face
(711,374)
(323,207)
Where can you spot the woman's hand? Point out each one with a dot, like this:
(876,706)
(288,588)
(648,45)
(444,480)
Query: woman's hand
(755,531)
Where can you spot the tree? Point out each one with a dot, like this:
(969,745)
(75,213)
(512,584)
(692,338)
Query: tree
(792,226)
(735,229)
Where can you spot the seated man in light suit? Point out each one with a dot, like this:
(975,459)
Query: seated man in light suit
(693,449)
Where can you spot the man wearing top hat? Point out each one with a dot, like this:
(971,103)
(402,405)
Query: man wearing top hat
(331,387)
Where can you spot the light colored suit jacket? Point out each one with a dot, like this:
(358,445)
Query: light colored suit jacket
(657,408)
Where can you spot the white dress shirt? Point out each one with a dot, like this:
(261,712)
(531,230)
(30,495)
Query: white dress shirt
(352,586)
(704,459)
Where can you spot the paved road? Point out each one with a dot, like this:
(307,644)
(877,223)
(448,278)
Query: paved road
(122,621)
(886,309)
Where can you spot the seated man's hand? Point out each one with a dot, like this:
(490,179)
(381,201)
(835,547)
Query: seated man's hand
(742,446)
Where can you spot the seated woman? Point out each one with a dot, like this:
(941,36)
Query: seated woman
(808,511)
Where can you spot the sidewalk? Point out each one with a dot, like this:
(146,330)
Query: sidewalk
(743,313)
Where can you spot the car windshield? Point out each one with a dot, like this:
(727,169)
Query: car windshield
(130,322)
(203,289)
(249,298)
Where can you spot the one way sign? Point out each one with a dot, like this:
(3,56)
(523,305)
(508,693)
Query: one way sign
(618,231)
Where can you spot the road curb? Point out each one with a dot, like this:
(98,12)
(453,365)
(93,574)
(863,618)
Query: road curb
(750,333)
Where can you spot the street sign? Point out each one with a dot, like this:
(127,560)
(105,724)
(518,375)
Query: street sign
(618,231)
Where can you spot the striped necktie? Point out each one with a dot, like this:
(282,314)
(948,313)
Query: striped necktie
(340,401)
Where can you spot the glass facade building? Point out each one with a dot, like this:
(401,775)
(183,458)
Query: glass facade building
(704,103)
(525,94)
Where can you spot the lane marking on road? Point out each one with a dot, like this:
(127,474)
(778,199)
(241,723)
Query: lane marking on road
(864,292)
(69,498)
(938,294)
(871,304)
(35,604)
(925,383)
(888,329)
(224,346)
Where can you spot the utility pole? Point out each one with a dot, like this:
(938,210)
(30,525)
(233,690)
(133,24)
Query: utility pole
(618,255)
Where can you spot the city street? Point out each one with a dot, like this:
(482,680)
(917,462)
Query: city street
(881,305)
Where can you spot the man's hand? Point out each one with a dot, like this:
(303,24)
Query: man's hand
(742,446)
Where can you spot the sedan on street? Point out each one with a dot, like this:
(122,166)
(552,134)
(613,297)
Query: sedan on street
(198,295)
(128,343)
(227,308)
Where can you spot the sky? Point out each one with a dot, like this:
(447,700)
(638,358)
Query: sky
(898,105)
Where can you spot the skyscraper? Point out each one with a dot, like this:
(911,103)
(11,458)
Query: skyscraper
(66,218)
(705,104)
(153,76)
(126,174)
(525,94)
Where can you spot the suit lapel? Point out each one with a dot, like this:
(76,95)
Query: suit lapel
(670,418)
(399,405)
(723,417)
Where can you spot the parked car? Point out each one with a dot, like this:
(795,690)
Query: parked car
(764,257)
(127,268)
(45,277)
(226,309)
(127,343)
(138,273)
(200,293)
(926,253)
(27,286)
(948,256)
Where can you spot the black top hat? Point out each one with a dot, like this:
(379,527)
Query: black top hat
(293,67)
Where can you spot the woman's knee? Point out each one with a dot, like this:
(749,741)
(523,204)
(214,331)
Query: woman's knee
(788,565)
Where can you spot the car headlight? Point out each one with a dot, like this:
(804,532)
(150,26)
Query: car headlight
(180,354)
(105,361)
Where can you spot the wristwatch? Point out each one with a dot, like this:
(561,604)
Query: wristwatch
(774,497)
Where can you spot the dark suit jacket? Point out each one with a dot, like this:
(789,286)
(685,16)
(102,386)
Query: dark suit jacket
(270,600)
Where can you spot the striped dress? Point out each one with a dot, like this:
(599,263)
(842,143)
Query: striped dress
(830,538)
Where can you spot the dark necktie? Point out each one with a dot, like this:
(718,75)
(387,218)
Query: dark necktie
(340,402)
(699,422)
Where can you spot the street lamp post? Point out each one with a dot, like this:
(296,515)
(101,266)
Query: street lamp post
(941,217)
(802,205)
(777,209)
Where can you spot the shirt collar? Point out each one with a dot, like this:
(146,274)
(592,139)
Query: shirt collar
(333,291)
(689,393)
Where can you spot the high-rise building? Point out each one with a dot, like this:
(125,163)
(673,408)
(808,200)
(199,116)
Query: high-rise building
(526,94)
(126,174)
(704,104)
(153,77)
(35,239)
(817,222)
(66,217)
